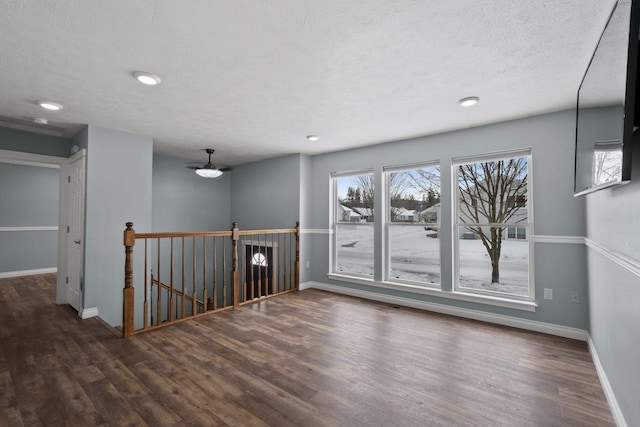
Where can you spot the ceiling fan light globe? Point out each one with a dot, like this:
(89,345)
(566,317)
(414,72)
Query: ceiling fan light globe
(209,172)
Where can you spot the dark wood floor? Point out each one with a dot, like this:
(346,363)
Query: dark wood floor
(303,359)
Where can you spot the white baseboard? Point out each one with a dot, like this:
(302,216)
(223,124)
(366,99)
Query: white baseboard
(606,387)
(89,312)
(8,274)
(500,319)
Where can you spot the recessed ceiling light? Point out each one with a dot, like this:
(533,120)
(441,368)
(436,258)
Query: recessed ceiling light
(147,78)
(468,101)
(51,106)
(313,137)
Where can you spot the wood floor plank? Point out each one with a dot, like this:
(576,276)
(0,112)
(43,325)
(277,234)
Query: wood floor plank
(74,402)
(137,394)
(112,406)
(307,358)
(174,388)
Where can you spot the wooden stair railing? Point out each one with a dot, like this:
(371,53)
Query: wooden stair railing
(212,275)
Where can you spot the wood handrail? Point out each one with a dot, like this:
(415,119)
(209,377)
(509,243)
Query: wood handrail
(165,235)
(253,282)
(267,231)
(175,291)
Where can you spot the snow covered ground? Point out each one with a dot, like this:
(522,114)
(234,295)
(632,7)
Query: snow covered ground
(415,256)
(355,248)
(475,267)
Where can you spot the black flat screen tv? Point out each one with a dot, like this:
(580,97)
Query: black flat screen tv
(606,115)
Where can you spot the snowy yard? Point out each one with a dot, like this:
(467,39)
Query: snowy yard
(415,256)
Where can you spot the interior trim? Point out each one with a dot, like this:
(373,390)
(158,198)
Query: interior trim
(571,240)
(43,228)
(31,159)
(618,417)
(524,305)
(628,263)
(88,313)
(537,238)
(499,319)
(315,231)
(20,273)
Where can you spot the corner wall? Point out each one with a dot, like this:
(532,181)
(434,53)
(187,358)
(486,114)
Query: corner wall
(613,237)
(183,201)
(118,190)
(266,194)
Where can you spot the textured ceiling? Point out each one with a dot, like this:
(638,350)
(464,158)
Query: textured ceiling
(253,78)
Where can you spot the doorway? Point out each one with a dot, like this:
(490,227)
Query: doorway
(70,259)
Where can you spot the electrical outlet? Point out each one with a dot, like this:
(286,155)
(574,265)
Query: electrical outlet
(548,293)
(308,264)
(575,297)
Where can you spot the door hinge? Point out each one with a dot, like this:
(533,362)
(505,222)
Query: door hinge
(69,179)
(67,228)
(67,280)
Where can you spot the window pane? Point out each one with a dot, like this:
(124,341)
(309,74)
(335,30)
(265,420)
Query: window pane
(355,198)
(354,224)
(492,258)
(414,195)
(607,162)
(509,271)
(522,233)
(414,253)
(493,192)
(354,249)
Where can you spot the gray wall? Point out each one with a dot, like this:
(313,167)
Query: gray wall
(267,194)
(183,201)
(560,266)
(28,198)
(27,142)
(613,229)
(306,196)
(119,173)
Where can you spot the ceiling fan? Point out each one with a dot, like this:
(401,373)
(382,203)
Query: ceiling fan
(209,170)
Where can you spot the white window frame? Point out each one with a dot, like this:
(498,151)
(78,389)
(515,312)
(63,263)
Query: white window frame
(335,223)
(387,171)
(456,224)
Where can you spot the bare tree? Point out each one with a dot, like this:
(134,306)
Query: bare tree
(426,180)
(365,187)
(491,193)
(607,166)
(399,194)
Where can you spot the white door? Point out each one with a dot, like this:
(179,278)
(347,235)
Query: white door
(74,232)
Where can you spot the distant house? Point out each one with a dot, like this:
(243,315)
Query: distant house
(366,214)
(405,215)
(431,214)
(348,215)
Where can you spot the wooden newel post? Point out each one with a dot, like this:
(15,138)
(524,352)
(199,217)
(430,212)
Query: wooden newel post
(297,254)
(234,263)
(127,300)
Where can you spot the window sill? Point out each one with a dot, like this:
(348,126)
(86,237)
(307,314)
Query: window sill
(455,295)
